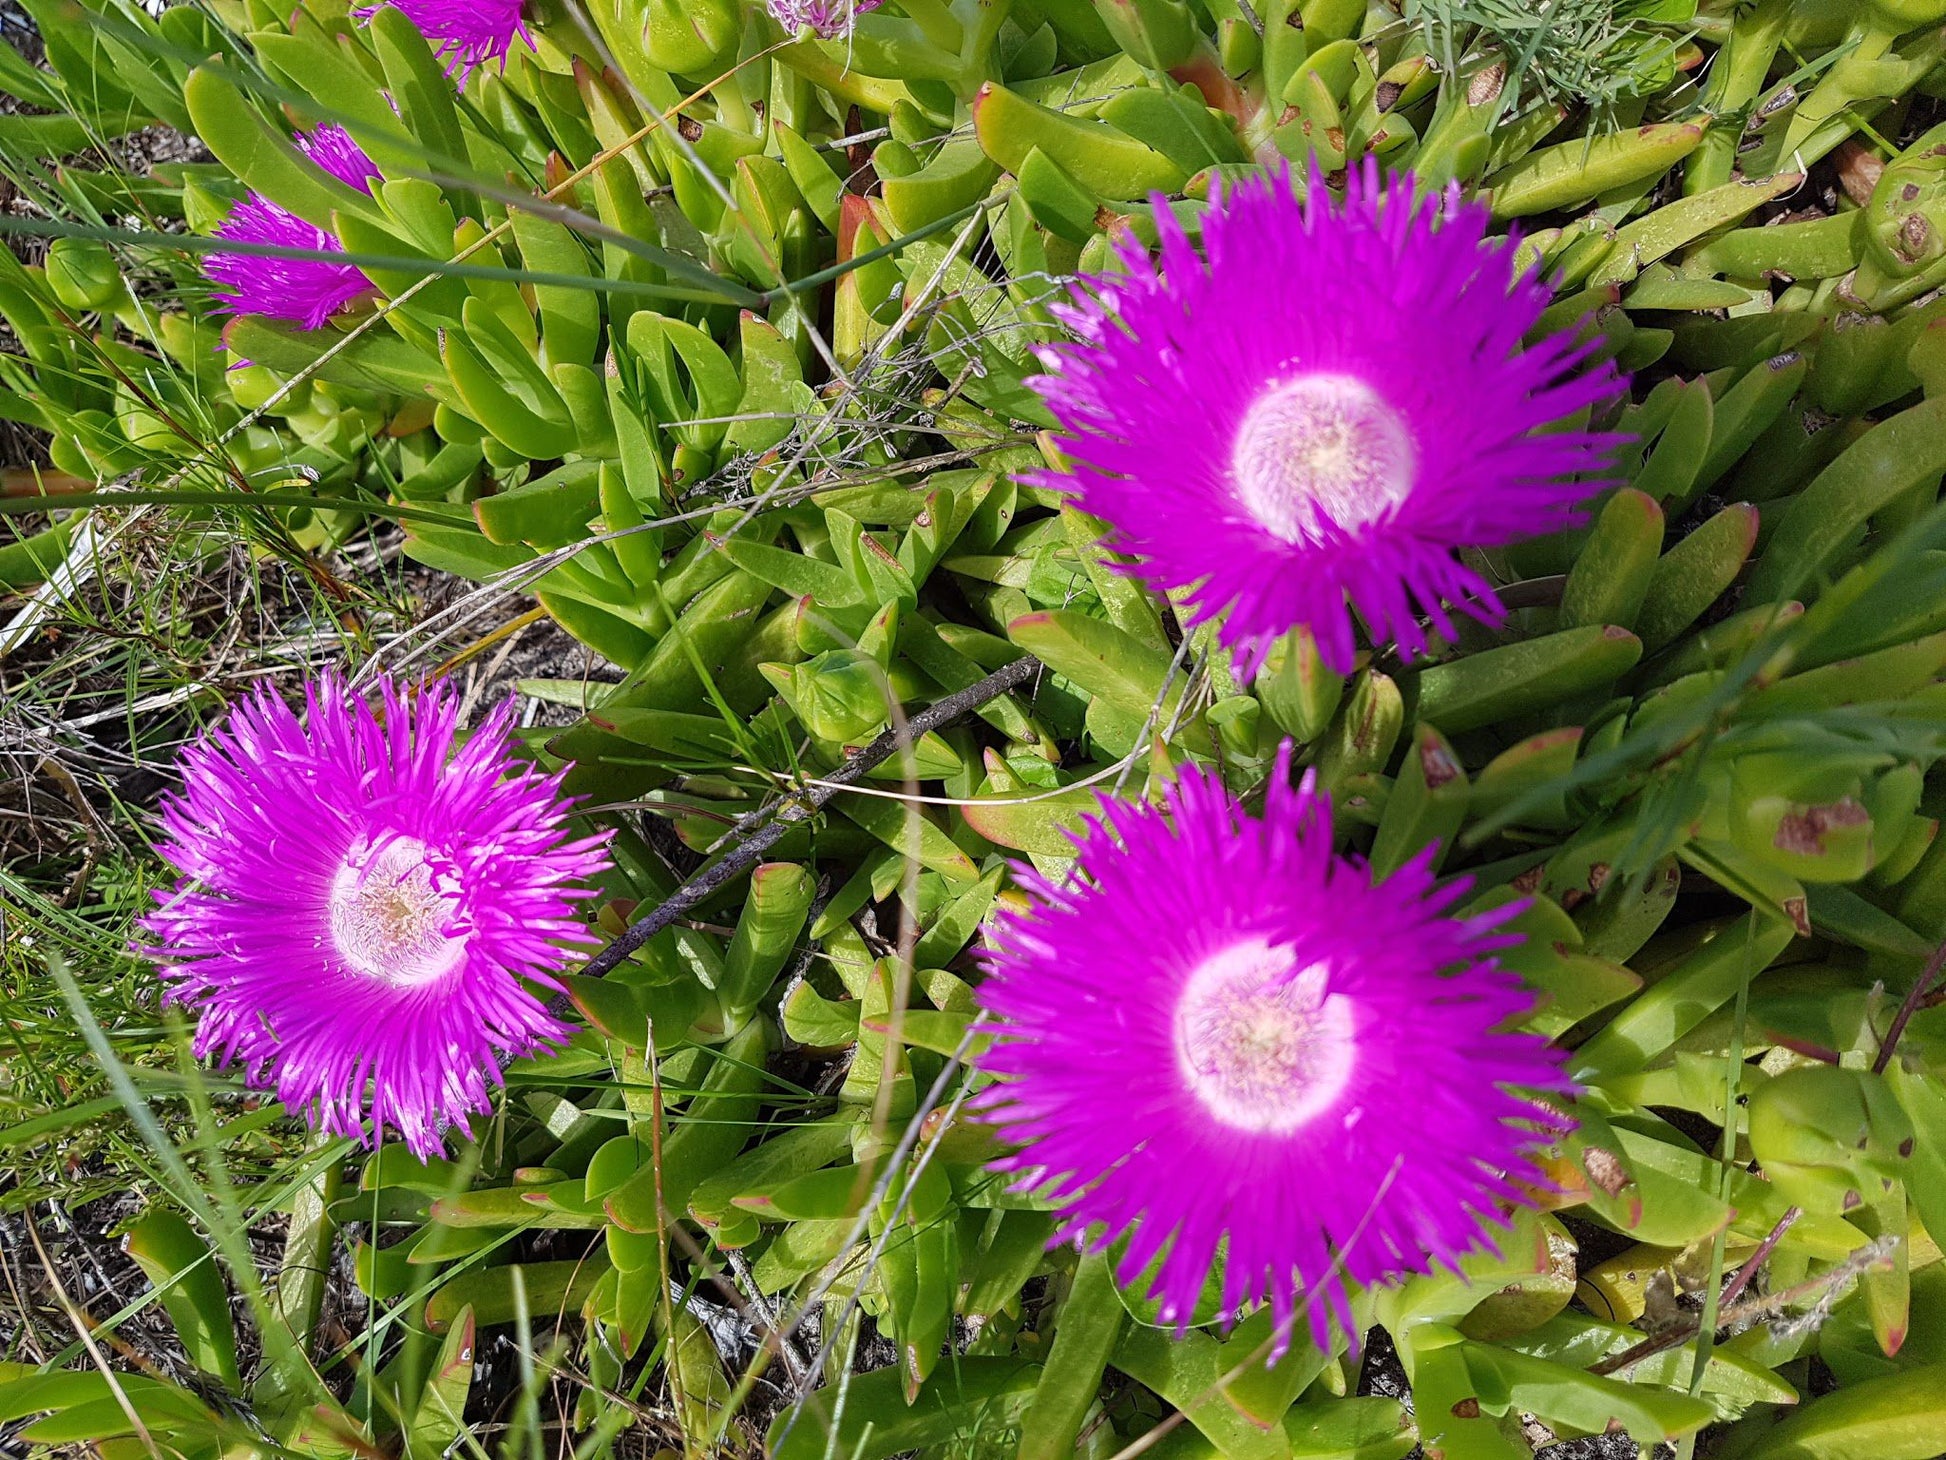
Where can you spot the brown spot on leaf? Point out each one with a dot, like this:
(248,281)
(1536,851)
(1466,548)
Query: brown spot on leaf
(1914,234)
(1799,914)
(1530,879)
(1597,876)
(1852,1201)
(689,129)
(1803,832)
(1858,170)
(1605,1169)
(1905,1146)
(1388,94)
(1485,85)
(1572,899)
(1438,764)
(1467,1408)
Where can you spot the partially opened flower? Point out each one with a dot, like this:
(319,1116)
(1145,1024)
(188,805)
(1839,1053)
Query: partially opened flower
(304,291)
(1222,1042)
(463,33)
(826,18)
(365,906)
(1324,407)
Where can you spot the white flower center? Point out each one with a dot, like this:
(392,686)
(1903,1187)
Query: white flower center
(392,913)
(1320,448)
(1265,1046)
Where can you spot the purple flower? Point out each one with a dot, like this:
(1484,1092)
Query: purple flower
(306,291)
(827,18)
(362,906)
(1323,408)
(1222,1038)
(463,33)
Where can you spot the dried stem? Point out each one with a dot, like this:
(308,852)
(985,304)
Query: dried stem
(1914,996)
(1872,1255)
(1734,1288)
(760,836)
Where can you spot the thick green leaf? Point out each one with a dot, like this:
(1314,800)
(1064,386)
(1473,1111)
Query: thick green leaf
(1516,679)
(184,1271)
(1889,460)
(491,1295)
(970,1396)
(1897,1417)
(1090,1319)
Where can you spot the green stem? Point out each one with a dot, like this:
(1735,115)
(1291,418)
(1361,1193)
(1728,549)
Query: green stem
(1742,63)
(1838,90)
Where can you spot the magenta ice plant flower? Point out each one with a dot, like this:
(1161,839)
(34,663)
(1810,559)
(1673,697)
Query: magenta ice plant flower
(1323,407)
(365,906)
(305,291)
(463,33)
(826,18)
(1220,1041)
